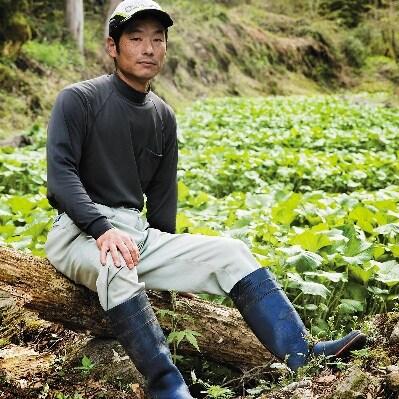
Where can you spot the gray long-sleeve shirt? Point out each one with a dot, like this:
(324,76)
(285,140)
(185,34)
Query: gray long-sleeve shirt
(110,144)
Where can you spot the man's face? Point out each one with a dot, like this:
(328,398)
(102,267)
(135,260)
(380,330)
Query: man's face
(141,55)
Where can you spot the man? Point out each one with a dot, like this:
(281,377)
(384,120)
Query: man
(111,143)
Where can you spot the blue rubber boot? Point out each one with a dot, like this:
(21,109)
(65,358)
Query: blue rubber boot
(137,329)
(275,322)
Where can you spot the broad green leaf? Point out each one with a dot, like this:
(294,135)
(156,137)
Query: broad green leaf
(5,215)
(391,229)
(361,258)
(305,260)
(285,212)
(291,250)
(191,337)
(7,230)
(379,292)
(19,243)
(199,199)
(366,226)
(33,230)
(361,213)
(283,216)
(388,272)
(324,227)
(177,336)
(363,272)
(334,277)
(182,222)
(355,290)
(356,246)
(21,205)
(394,249)
(308,287)
(379,250)
(350,306)
(203,230)
(311,241)
(183,191)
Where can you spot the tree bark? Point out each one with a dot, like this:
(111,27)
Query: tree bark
(74,20)
(111,5)
(107,59)
(225,337)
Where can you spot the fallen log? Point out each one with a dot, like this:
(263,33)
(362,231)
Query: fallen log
(16,141)
(225,337)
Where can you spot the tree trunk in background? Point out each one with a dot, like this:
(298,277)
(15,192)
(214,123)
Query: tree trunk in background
(107,60)
(74,20)
(36,285)
(110,9)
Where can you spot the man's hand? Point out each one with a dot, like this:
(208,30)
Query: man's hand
(118,243)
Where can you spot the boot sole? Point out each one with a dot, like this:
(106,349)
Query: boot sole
(356,343)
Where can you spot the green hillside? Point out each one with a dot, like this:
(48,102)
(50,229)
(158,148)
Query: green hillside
(216,48)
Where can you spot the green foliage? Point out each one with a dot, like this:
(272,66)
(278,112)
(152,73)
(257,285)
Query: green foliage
(86,368)
(188,335)
(308,183)
(47,19)
(312,144)
(347,12)
(354,51)
(213,391)
(87,365)
(14,27)
(11,79)
(176,335)
(25,215)
(60,395)
(55,54)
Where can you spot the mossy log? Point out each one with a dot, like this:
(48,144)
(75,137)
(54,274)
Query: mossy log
(225,337)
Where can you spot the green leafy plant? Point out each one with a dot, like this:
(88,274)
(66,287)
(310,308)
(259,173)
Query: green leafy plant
(86,368)
(53,54)
(87,365)
(308,183)
(176,336)
(213,391)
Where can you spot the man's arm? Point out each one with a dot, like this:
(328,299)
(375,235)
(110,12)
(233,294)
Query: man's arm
(65,140)
(65,191)
(162,191)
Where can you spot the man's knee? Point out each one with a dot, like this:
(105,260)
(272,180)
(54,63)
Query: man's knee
(234,247)
(116,285)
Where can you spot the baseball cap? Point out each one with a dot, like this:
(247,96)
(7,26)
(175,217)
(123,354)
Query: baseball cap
(129,8)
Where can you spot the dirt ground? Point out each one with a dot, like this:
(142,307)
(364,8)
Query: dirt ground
(43,360)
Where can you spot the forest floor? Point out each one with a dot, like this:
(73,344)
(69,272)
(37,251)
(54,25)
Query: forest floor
(43,360)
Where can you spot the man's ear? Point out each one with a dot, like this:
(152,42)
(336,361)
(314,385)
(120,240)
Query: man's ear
(112,47)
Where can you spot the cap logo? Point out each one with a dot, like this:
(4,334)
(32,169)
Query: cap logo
(131,9)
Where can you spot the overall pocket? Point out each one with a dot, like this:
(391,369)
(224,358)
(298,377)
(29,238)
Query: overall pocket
(147,164)
(63,222)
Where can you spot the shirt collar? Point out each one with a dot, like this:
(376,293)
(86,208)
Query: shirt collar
(127,91)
